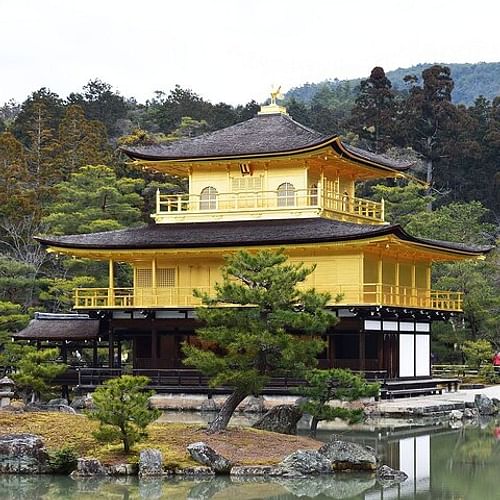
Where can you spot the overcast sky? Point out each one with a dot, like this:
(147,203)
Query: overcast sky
(231,50)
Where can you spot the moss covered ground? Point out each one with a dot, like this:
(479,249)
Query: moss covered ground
(244,446)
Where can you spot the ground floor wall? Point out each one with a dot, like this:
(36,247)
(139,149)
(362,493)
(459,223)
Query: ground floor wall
(388,348)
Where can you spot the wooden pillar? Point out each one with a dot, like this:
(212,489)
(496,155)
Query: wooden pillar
(111,283)
(153,281)
(321,188)
(154,342)
(414,292)
(119,353)
(64,351)
(111,348)
(428,282)
(379,279)
(396,279)
(362,352)
(94,353)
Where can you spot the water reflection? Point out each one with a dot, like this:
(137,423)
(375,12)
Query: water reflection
(441,463)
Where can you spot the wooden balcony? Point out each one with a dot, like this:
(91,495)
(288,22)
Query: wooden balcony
(266,204)
(376,294)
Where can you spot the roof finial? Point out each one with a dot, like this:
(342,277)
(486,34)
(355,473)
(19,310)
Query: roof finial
(274,108)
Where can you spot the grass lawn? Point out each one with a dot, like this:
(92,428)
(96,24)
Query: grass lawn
(244,446)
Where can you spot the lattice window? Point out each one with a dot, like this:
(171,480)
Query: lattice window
(208,198)
(246,183)
(165,277)
(143,278)
(286,195)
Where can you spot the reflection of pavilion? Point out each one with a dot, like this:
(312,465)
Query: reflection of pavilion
(409,451)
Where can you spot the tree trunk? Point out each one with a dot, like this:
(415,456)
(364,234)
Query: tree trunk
(314,427)
(226,412)
(429,178)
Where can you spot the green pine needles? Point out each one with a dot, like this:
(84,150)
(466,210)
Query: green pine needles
(325,386)
(121,406)
(258,325)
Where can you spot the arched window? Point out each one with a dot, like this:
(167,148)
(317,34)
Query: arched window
(286,195)
(208,198)
(313,194)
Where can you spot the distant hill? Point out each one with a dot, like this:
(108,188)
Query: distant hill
(471,81)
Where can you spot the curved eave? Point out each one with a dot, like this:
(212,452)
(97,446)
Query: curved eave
(395,231)
(134,155)
(333,141)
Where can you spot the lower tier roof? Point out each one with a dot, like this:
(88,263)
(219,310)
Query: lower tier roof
(244,234)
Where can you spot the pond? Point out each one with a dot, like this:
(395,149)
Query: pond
(442,463)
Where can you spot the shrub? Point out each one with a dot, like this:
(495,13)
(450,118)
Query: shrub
(63,461)
(477,352)
(121,406)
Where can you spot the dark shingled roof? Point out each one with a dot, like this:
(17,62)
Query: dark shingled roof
(261,135)
(240,233)
(59,329)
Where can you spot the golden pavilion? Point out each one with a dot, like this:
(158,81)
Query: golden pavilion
(268,182)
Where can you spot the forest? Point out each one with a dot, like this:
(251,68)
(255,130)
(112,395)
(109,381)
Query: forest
(62,172)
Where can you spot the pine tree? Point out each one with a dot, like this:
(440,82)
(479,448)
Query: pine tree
(35,370)
(16,199)
(266,328)
(325,386)
(121,406)
(82,142)
(94,199)
(427,115)
(374,113)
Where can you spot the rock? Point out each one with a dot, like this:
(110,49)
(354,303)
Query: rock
(35,407)
(150,463)
(122,469)
(306,462)
(484,405)
(328,486)
(387,476)
(205,455)
(456,415)
(195,471)
(471,413)
(345,455)
(496,402)
(282,419)
(256,470)
(23,454)
(150,488)
(58,402)
(82,403)
(88,467)
(208,405)
(252,404)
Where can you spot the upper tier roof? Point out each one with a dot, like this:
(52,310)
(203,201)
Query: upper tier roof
(260,136)
(242,234)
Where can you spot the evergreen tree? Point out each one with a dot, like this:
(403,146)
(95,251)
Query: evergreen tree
(374,113)
(336,384)
(122,408)
(12,319)
(82,142)
(427,114)
(16,198)
(34,371)
(94,199)
(269,328)
(100,103)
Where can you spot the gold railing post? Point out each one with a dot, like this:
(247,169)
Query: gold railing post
(158,202)
(111,283)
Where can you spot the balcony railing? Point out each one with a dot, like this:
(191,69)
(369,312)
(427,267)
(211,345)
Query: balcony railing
(185,206)
(353,295)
